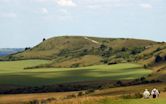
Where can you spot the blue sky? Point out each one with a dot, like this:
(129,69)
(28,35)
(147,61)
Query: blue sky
(25,22)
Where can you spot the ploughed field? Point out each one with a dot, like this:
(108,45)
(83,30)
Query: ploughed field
(12,73)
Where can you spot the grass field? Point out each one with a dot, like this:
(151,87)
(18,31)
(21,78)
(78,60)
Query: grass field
(13,73)
(133,101)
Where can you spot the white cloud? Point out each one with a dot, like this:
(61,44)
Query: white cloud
(41,0)
(44,10)
(94,6)
(146,6)
(66,3)
(8,15)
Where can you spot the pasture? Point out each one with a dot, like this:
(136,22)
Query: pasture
(13,73)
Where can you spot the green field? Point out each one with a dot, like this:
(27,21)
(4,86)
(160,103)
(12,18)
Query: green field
(13,73)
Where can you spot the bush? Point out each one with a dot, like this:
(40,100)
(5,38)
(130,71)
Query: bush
(112,63)
(124,49)
(103,47)
(142,78)
(81,93)
(158,59)
(104,61)
(75,65)
(137,50)
(119,83)
(90,91)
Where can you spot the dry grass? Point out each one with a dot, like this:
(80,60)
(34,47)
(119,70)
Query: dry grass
(20,98)
(111,93)
(81,100)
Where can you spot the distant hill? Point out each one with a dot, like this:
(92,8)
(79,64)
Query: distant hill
(8,51)
(75,51)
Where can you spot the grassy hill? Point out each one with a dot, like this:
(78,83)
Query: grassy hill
(75,51)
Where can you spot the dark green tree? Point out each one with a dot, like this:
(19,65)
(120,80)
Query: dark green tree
(158,59)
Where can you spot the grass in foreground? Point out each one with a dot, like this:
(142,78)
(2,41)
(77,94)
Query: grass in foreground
(106,96)
(133,101)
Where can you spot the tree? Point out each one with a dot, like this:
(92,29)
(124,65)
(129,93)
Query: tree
(119,83)
(103,47)
(158,59)
(44,39)
(124,49)
(27,48)
(137,50)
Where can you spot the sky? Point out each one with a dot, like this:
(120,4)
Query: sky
(24,23)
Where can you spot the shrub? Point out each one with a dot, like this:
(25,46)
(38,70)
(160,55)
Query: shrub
(124,49)
(137,50)
(112,63)
(158,59)
(105,60)
(142,78)
(90,91)
(103,47)
(75,65)
(119,83)
(81,93)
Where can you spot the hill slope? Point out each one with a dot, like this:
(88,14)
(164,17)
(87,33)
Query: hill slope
(79,51)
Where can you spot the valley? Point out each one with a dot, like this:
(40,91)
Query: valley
(83,70)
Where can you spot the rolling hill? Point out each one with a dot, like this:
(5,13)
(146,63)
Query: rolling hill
(74,51)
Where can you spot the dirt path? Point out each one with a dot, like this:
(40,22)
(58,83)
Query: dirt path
(93,41)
